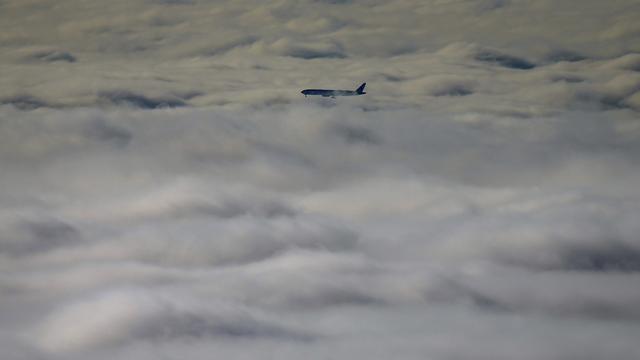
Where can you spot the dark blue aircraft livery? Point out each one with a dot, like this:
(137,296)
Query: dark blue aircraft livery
(334,93)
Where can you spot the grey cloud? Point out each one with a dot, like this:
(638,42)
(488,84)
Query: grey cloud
(215,243)
(567,78)
(130,316)
(610,257)
(450,290)
(626,62)
(321,280)
(554,294)
(307,51)
(487,55)
(225,208)
(52,56)
(336,2)
(230,209)
(576,236)
(230,45)
(173,195)
(357,135)
(498,58)
(24,102)
(127,98)
(492,5)
(564,55)
(618,93)
(173,2)
(449,86)
(103,131)
(36,236)
(454,90)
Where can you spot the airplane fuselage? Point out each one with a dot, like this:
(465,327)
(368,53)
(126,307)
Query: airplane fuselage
(334,93)
(329,93)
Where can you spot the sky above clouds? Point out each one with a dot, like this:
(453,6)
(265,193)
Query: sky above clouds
(167,192)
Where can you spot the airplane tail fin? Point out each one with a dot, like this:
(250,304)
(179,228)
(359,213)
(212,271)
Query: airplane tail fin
(360,90)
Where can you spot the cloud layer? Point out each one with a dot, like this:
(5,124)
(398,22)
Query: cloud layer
(153,54)
(166,192)
(167,223)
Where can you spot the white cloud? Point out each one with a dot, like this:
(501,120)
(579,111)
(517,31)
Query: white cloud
(307,208)
(130,315)
(166,191)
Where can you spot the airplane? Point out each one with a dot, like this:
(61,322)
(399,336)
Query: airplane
(334,93)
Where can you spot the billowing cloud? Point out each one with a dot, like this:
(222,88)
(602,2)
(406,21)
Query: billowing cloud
(130,315)
(166,191)
(308,208)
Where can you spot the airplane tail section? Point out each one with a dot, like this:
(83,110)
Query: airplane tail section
(360,90)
